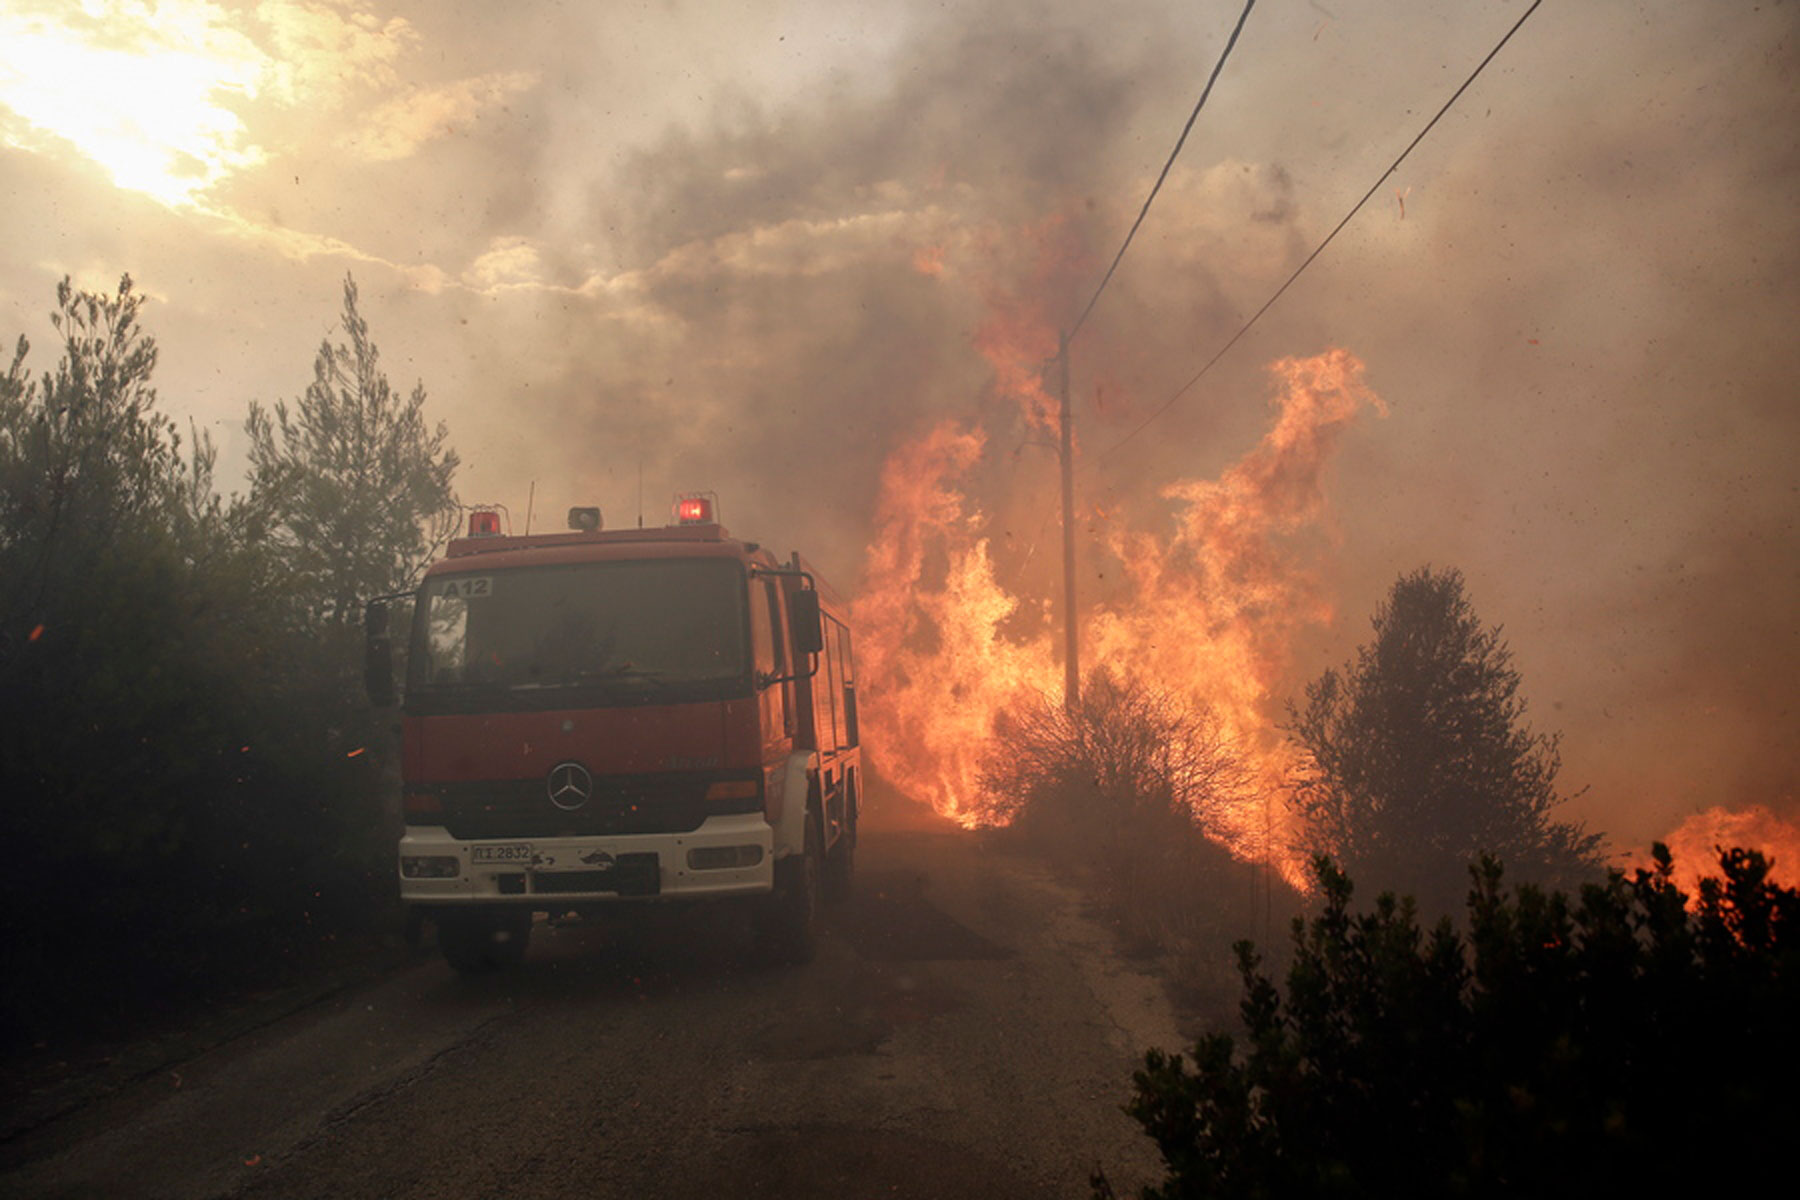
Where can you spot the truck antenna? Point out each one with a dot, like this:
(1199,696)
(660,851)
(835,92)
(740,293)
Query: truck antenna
(640,491)
(530,497)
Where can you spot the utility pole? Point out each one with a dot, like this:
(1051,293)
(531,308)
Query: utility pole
(1071,654)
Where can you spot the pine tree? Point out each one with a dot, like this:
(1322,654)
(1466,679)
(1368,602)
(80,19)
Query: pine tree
(1419,760)
(359,486)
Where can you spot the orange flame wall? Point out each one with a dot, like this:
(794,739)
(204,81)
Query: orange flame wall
(1209,606)
(1696,842)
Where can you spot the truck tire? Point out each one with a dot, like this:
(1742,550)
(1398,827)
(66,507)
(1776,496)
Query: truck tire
(476,943)
(787,923)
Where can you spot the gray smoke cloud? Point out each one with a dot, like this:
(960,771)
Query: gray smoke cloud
(753,253)
(1572,298)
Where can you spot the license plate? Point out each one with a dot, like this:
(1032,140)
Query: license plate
(512,852)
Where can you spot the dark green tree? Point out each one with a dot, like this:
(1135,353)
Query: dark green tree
(358,484)
(100,518)
(86,460)
(1419,761)
(183,787)
(1634,1040)
(124,615)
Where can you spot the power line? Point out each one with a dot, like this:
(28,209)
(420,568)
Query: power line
(1065,423)
(1179,142)
(1357,207)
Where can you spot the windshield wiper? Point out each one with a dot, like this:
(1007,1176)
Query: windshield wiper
(621,672)
(463,685)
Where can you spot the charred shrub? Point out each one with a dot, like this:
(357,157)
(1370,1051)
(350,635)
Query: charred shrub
(1126,785)
(1633,1038)
(1128,755)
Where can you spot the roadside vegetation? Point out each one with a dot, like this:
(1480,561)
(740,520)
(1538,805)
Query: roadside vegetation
(1508,1019)
(1416,761)
(192,782)
(1125,790)
(1627,1041)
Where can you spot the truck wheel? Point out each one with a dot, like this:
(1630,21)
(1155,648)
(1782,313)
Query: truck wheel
(787,924)
(474,944)
(840,866)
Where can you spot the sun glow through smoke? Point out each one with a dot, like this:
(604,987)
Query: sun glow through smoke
(143,91)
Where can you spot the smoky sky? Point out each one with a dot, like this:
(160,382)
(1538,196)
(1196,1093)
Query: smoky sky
(754,253)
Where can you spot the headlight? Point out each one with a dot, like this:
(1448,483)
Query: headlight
(719,858)
(429,866)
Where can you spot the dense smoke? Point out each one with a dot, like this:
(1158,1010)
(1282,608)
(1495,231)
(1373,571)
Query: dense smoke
(1572,302)
(762,256)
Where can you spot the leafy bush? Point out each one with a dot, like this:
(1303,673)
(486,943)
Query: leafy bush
(1630,1040)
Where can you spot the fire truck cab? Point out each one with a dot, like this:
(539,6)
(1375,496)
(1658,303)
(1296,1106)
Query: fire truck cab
(595,720)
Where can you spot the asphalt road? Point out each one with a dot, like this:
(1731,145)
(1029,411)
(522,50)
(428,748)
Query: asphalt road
(966,1031)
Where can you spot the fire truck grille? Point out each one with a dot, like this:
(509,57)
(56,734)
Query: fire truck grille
(622,805)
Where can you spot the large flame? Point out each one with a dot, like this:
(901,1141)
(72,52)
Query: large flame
(1213,608)
(1696,842)
(1208,608)
(936,664)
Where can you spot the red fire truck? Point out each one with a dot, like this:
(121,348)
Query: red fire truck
(595,720)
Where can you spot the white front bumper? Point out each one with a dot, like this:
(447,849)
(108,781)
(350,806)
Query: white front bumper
(529,881)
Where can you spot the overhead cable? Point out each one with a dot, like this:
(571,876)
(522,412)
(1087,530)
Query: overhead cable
(1179,142)
(1357,207)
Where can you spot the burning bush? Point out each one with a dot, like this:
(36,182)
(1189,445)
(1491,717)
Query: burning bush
(1564,1048)
(1127,755)
(1126,785)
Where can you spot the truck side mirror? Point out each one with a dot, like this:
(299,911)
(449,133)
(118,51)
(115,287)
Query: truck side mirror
(378,664)
(809,632)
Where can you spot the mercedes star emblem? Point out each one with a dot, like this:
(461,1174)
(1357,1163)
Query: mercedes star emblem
(570,786)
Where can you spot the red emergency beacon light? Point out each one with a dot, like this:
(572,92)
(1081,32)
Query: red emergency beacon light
(484,522)
(697,508)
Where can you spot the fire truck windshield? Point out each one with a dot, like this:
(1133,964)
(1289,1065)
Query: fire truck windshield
(594,633)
